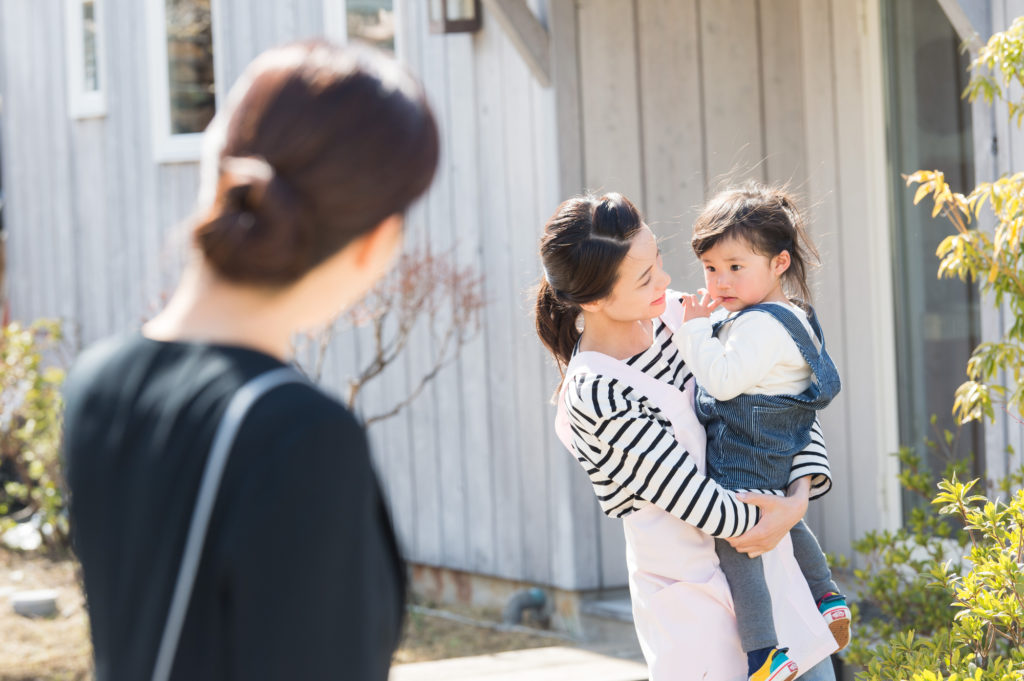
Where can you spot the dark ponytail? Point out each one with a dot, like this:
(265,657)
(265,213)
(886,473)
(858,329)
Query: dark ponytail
(317,146)
(583,244)
(257,229)
(556,324)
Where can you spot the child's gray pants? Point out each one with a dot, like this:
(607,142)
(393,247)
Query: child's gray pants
(750,595)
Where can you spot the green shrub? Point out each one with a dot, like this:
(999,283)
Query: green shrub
(30,416)
(948,599)
(948,617)
(897,581)
(943,597)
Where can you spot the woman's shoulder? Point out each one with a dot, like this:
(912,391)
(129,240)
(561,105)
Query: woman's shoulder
(98,356)
(303,404)
(597,395)
(102,366)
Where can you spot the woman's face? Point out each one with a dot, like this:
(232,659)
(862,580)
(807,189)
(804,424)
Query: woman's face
(639,293)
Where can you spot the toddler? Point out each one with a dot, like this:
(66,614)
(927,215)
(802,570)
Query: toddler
(762,374)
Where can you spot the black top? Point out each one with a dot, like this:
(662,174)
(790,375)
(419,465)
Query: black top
(300,577)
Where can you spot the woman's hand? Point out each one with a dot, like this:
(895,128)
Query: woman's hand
(778,516)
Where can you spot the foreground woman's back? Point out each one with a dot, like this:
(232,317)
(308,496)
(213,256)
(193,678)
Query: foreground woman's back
(298,522)
(308,171)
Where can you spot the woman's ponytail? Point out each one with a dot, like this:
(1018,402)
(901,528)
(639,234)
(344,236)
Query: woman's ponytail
(556,324)
(583,244)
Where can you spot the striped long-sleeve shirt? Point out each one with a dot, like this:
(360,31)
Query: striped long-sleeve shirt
(627,447)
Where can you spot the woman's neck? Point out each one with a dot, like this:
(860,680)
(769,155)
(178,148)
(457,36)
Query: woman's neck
(618,339)
(207,309)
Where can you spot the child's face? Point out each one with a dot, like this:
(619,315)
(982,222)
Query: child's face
(738,277)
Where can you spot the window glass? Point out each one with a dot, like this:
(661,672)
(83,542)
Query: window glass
(190,65)
(372,22)
(460,10)
(90,50)
(937,320)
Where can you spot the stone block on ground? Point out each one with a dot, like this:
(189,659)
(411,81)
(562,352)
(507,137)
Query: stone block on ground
(40,603)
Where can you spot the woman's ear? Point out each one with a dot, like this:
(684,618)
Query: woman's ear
(781,263)
(592,306)
(380,245)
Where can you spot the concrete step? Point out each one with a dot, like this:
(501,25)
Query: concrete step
(537,664)
(607,625)
(619,609)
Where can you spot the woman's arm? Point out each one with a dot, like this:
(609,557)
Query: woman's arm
(778,516)
(812,463)
(629,452)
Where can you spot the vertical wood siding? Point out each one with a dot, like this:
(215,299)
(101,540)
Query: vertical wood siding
(1004,441)
(679,98)
(674,97)
(475,477)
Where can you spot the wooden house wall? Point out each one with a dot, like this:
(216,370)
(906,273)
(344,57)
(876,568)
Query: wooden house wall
(475,477)
(999,150)
(474,473)
(669,100)
(681,97)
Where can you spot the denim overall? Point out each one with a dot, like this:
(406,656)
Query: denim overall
(752,438)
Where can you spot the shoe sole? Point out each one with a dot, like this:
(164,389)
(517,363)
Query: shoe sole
(838,620)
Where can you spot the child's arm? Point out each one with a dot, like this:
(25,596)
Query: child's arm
(725,370)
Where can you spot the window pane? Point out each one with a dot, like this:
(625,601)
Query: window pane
(190,65)
(937,320)
(373,22)
(460,10)
(91,75)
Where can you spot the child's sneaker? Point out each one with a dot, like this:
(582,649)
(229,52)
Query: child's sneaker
(833,608)
(776,667)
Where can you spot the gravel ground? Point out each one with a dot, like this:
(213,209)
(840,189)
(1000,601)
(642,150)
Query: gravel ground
(58,648)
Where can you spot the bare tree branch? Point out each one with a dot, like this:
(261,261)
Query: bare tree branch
(424,289)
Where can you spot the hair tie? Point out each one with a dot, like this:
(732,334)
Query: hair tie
(255,167)
(547,280)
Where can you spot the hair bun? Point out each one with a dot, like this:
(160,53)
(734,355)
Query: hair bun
(255,230)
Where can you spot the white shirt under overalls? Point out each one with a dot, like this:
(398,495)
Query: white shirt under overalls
(753,354)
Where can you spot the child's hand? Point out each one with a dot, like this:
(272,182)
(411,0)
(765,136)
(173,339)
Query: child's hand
(694,309)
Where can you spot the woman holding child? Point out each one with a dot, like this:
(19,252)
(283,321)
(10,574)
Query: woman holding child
(626,412)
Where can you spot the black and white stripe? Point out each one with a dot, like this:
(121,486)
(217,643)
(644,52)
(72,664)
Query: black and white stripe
(632,457)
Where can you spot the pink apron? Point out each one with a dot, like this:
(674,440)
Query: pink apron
(682,607)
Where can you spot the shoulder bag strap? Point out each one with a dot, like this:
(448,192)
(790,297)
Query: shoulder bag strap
(223,439)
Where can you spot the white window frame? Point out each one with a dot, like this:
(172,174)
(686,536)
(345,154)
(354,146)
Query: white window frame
(82,103)
(336,24)
(167,146)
